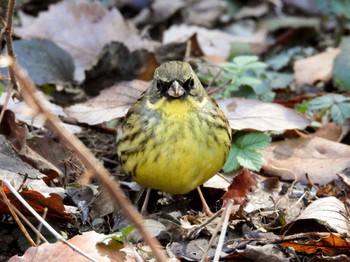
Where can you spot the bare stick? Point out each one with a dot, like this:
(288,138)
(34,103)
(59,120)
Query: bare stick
(7,33)
(14,215)
(87,158)
(43,239)
(47,225)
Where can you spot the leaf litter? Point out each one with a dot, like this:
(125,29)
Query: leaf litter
(269,215)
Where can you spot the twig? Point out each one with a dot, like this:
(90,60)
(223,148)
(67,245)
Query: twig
(47,225)
(205,223)
(92,164)
(227,213)
(43,239)
(7,33)
(217,89)
(14,215)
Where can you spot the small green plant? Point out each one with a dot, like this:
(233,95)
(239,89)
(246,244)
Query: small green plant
(118,240)
(245,76)
(330,107)
(244,151)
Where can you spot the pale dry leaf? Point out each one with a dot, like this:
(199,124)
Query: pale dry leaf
(320,158)
(257,115)
(112,103)
(88,27)
(28,115)
(268,252)
(330,131)
(204,13)
(315,68)
(86,242)
(217,182)
(158,12)
(213,42)
(329,212)
(15,170)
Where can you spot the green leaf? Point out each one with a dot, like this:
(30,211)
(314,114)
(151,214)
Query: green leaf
(340,112)
(245,59)
(231,162)
(250,159)
(253,141)
(321,102)
(341,68)
(126,232)
(243,151)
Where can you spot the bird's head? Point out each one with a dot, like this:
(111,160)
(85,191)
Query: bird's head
(176,80)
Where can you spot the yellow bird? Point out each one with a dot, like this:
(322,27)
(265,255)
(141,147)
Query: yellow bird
(175,137)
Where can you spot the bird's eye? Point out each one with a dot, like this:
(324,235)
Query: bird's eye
(188,84)
(161,86)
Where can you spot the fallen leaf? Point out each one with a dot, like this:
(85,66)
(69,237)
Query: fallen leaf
(328,243)
(330,131)
(240,187)
(326,214)
(214,42)
(86,242)
(53,204)
(268,252)
(117,63)
(204,13)
(27,114)
(112,103)
(17,134)
(158,12)
(45,61)
(94,26)
(217,182)
(13,169)
(257,115)
(57,153)
(320,158)
(315,68)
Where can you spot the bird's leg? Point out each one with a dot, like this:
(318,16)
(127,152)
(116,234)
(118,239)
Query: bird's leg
(145,202)
(206,209)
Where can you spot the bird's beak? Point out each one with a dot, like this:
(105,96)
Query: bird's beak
(176,90)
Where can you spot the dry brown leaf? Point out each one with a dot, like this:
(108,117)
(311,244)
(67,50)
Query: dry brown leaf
(328,243)
(330,131)
(315,68)
(257,115)
(112,103)
(240,187)
(53,204)
(87,242)
(88,27)
(13,169)
(17,134)
(320,158)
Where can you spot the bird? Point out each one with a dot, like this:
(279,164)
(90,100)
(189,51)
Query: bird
(174,137)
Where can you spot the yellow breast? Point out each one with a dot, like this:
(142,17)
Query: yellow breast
(182,150)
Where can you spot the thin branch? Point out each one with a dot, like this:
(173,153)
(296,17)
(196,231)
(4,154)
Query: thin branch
(88,159)
(30,225)
(47,225)
(7,33)
(14,215)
